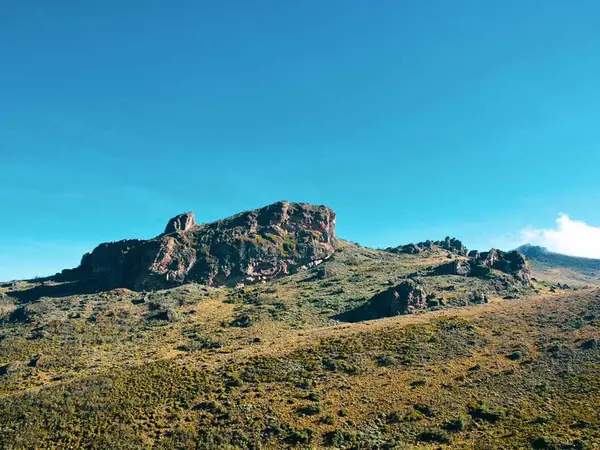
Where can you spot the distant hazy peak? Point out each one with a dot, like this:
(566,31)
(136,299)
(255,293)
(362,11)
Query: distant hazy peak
(532,250)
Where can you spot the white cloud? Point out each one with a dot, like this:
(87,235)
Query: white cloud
(571,237)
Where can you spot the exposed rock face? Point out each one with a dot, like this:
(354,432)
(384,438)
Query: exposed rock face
(409,249)
(513,263)
(451,245)
(249,247)
(109,262)
(400,299)
(181,223)
(458,267)
(481,264)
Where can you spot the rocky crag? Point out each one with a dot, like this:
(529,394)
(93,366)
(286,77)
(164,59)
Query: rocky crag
(482,264)
(471,263)
(250,247)
(452,245)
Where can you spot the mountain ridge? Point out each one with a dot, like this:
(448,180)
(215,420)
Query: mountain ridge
(552,266)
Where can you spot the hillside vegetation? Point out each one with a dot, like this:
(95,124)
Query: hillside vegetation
(467,351)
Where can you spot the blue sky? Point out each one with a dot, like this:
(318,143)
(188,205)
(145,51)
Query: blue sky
(412,119)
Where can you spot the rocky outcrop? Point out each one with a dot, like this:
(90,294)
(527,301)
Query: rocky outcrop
(250,247)
(460,267)
(449,244)
(408,249)
(181,223)
(403,298)
(453,245)
(481,265)
(109,263)
(400,299)
(513,263)
(474,254)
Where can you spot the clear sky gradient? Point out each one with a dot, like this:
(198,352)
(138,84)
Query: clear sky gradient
(412,119)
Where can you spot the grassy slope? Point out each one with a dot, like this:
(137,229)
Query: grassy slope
(110,376)
(558,268)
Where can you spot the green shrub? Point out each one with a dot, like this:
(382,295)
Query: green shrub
(310,410)
(339,438)
(313,396)
(485,413)
(242,321)
(386,361)
(201,343)
(414,416)
(515,356)
(456,424)
(301,436)
(327,420)
(439,436)
(424,409)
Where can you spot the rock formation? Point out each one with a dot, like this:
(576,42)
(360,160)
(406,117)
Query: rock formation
(449,244)
(181,223)
(399,299)
(513,263)
(402,298)
(481,265)
(249,247)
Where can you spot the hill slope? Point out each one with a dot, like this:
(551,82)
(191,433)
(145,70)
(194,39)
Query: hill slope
(556,267)
(467,351)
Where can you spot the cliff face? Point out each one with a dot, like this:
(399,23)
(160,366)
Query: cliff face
(250,247)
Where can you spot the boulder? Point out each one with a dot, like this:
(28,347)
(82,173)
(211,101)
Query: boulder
(324,272)
(399,299)
(457,267)
(181,223)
